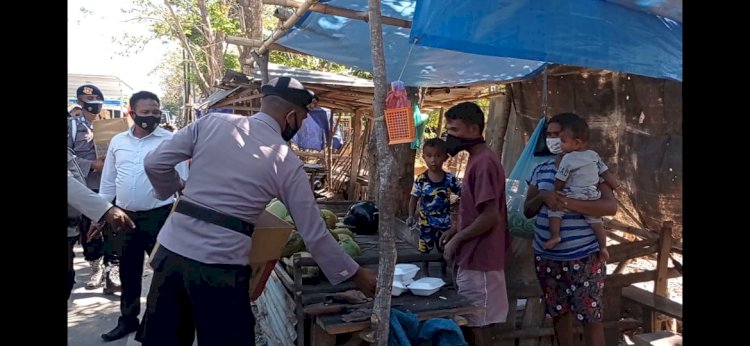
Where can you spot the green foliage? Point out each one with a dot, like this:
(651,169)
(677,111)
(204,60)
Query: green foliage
(170,73)
(316,64)
(224,17)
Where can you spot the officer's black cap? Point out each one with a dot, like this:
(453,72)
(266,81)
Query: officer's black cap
(90,89)
(291,90)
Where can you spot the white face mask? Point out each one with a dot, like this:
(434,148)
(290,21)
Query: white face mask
(554,145)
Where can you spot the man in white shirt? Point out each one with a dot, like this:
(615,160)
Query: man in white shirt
(124,177)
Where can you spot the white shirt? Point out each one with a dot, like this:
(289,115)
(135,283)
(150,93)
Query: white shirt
(123,175)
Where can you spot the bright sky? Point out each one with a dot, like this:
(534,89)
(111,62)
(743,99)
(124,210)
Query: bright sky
(91,49)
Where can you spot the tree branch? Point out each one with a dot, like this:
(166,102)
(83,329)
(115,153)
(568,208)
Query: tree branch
(214,58)
(202,83)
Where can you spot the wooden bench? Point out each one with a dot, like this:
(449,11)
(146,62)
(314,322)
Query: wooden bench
(652,303)
(658,339)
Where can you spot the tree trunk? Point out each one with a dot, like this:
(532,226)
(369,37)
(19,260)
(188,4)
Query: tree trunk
(403,175)
(497,124)
(381,311)
(252,17)
(373,177)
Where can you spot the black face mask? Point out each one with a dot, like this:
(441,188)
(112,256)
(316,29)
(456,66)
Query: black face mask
(456,144)
(92,107)
(146,122)
(288,133)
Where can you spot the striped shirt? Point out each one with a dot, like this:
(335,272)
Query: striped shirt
(578,239)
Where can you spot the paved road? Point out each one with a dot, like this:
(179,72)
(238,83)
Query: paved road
(91,313)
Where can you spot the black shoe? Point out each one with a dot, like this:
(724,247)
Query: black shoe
(122,330)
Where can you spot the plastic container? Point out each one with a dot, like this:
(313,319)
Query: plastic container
(426,286)
(405,272)
(400,125)
(398,288)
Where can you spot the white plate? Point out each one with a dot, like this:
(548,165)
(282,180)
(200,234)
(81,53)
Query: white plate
(426,286)
(398,288)
(405,272)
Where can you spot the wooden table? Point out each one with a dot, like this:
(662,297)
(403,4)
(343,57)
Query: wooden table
(328,326)
(314,293)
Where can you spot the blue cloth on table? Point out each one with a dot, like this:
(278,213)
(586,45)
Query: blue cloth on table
(407,330)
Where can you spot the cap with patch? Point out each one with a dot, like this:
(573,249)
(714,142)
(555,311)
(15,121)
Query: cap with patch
(291,90)
(89,90)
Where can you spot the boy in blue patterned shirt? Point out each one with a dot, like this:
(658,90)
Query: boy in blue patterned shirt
(433,190)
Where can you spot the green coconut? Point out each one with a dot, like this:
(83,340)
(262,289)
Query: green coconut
(307,271)
(278,209)
(343,231)
(293,245)
(343,236)
(329,217)
(350,247)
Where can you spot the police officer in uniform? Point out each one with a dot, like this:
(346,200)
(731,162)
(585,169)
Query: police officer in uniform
(81,200)
(201,276)
(81,141)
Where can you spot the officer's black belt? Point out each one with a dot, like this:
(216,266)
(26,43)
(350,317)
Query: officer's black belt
(214,217)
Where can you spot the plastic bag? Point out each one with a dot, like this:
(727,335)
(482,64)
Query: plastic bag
(396,98)
(362,218)
(516,186)
(420,122)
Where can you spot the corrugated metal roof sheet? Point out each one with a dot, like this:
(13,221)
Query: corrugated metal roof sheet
(313,77)
(216,97)
(111,86)
(276,316)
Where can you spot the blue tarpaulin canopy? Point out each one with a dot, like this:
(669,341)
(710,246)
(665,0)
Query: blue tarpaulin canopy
(635,36)
(347,41)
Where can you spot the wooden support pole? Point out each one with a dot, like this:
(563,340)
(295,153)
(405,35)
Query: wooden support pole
(661,284)
(242,41)
(301,9)
(341,12)
(356,148)
(297,273)
(439,128)
(386,189)
(612,301)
